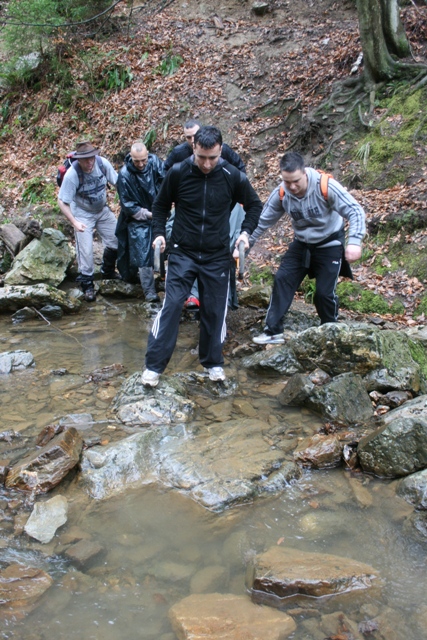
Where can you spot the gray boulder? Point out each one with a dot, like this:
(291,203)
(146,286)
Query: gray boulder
(413,489)
(44,260)
(397,449)
(14,297)
(343,399)
(339,348)
(280,360)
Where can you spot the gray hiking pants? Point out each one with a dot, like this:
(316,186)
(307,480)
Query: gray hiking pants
(105,224)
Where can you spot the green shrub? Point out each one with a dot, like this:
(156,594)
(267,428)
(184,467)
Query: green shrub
(115,77)
(169,65)
(39,190)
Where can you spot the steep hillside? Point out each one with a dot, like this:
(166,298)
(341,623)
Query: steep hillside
(257,77)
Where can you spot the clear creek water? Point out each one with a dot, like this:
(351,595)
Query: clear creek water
(158,543)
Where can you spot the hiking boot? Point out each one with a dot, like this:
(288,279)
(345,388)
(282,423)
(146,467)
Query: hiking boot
(108,267)
(216,374)
(152,297)
(89,294)
(150,378)
(269,338)
(192,303)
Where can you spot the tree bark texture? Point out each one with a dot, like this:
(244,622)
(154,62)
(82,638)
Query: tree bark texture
(381,34)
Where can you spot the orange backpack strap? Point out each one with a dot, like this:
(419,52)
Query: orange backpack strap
(281,192)
(324,180)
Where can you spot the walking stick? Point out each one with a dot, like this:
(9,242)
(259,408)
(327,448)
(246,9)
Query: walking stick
(157,255)
(241,260)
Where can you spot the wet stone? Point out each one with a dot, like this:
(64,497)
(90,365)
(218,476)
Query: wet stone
(217,616)
(319,452)
(208,579)
(46,518)
(84,553)
(4,468)
(44,469)
(20,588)
(23,314)
(281,572)
(15,361)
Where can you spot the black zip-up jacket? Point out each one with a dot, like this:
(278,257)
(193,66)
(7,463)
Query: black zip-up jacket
(203,203)
(184,150)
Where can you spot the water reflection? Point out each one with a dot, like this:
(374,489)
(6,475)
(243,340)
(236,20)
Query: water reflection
(159,546)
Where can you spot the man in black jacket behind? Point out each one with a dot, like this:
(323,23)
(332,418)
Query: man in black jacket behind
(204,189)
(185,150)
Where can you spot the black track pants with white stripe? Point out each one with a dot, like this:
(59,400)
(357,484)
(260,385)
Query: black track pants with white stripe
(324,266)
(213,278)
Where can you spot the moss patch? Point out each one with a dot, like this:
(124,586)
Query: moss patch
(352,296)
(419,354)
(411,256)
(422,308)
(387,152)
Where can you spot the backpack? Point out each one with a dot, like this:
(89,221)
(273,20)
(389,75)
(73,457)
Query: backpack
(324,180)
(69,162)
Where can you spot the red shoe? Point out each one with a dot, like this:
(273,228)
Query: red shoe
(192,303)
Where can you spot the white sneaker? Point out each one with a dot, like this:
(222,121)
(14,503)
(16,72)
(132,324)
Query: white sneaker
(150,378)
(216,374)
(266,338)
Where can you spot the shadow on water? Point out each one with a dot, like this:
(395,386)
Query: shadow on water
(157,545)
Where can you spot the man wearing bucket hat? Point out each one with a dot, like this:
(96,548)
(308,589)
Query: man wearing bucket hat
(83,201)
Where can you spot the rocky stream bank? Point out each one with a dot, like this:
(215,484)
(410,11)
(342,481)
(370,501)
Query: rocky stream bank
(362,387)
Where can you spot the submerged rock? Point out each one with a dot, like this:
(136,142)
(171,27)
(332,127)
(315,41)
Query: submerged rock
(281,572)
(46,518)
(20,588)
(44,260)
(218,616)
(219,466)
(44,469)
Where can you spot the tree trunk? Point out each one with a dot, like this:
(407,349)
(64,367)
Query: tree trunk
(383,40)
(394,32)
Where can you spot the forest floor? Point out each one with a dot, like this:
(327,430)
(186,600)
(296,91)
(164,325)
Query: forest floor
(256,77)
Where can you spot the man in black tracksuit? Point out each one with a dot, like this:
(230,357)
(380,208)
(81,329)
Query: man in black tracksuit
(204,189)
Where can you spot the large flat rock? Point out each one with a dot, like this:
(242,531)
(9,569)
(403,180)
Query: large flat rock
(223,616)
(282,572)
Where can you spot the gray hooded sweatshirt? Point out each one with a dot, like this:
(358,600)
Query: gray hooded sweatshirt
(313,217)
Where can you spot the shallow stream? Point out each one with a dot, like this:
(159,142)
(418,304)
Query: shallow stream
(159,546)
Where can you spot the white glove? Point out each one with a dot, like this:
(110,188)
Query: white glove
(143,214)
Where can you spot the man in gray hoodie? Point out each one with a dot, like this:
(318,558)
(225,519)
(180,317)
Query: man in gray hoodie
(318,207)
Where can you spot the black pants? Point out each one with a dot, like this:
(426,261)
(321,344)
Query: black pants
(325,264)
(212,278)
